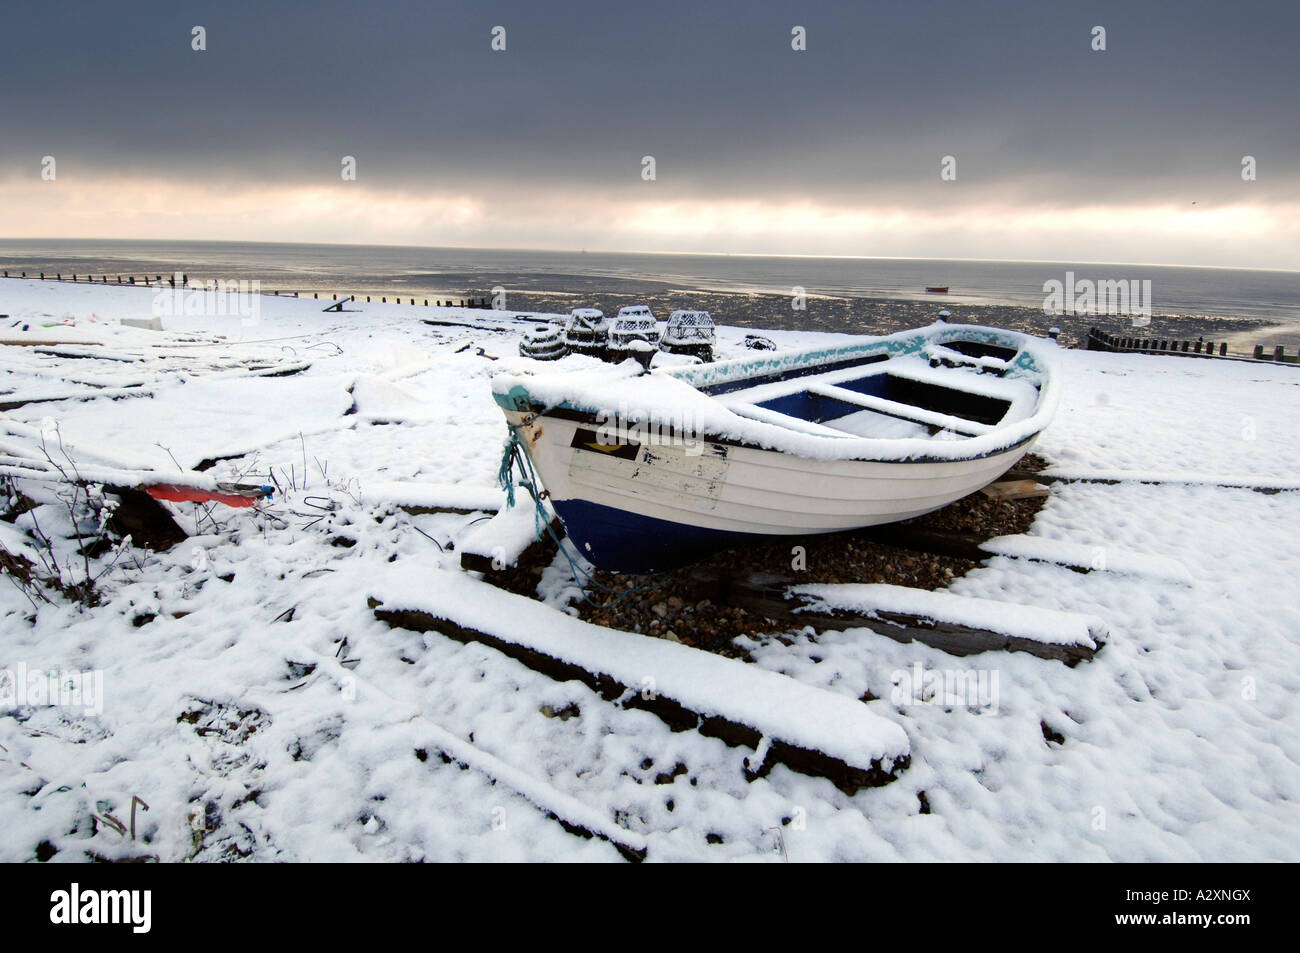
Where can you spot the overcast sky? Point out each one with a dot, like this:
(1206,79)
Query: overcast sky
(1132,153)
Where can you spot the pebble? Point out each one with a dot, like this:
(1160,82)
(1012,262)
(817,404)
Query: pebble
(660,610)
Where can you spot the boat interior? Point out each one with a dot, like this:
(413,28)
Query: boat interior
(951,391)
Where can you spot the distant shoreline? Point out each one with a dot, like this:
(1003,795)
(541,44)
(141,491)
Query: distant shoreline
(587,278)
(849,314)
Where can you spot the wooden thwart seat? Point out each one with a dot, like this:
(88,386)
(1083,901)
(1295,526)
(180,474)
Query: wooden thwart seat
(893,408)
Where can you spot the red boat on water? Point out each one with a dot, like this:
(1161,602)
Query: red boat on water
(936,290)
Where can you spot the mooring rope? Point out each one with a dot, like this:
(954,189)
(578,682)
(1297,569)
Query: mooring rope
(514,456)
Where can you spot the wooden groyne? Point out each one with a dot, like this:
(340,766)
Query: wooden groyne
(169,282)
(1099,340)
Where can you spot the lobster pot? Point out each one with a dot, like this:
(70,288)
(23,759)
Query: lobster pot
(691,333)
(543,344)
(586,331)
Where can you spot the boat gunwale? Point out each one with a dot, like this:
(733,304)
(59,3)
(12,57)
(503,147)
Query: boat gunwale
(710,380)
(593,418)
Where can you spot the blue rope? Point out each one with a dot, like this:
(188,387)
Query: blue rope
(514,456)
(508,454)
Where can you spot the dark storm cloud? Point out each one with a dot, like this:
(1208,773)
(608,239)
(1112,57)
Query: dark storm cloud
(711,89)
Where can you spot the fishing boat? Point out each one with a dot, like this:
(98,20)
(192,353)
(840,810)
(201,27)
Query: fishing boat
(936,289)
(651,470)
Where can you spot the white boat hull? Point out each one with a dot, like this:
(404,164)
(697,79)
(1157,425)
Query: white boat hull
(712,491)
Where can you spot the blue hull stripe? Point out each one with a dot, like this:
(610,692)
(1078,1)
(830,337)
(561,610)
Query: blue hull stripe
(619,541)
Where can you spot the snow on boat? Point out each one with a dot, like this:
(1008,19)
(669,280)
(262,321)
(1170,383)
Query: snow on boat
(650,470)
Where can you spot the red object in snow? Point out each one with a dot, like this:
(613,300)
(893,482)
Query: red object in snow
(188,494)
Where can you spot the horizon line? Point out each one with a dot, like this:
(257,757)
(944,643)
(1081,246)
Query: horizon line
(679,254)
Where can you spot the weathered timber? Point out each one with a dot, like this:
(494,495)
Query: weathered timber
(467,324)
(420,509)
(677,716)
(766,595)
(539,550)
(338,305)
(130,390)
(1111,481)
(936,542)
(1015,490)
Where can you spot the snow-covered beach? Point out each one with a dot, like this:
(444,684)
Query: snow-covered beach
(253,701)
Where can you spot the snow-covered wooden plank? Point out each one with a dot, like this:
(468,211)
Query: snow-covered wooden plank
(503,539)
(420,497)
(1090,558)
(16,400)
(1082,557)
(835,608)
(1047,626)
(571,812)
(44,471)
(86,351)
(1163,477)
(809,729)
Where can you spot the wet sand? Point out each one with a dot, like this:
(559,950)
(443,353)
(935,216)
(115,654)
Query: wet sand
(1270,335)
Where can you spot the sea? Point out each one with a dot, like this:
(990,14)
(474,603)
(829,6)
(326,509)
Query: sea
(1271,297)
